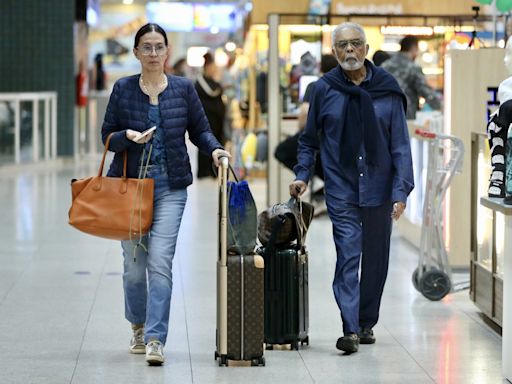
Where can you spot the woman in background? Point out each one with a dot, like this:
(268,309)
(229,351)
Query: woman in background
(210,94)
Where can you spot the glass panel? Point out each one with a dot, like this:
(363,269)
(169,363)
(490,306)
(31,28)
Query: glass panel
(419,151)
(484,215)
(6,132)
(26,131)
(41,129)
(484,236)
(500,242)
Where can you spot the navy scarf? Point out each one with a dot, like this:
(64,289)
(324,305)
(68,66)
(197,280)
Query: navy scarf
(359,125)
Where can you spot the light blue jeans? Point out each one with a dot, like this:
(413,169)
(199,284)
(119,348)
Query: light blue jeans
(148,300)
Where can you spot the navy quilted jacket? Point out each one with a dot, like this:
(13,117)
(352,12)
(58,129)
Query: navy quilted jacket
(181,111)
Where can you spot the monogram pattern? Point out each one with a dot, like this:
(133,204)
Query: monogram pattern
(253,288)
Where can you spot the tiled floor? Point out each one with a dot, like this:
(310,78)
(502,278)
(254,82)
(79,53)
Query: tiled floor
(61,305)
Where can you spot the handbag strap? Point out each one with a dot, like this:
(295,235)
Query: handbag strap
(140,186)
(299,220)
(125,157)
(214,169)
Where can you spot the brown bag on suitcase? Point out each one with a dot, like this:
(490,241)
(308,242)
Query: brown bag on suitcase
(295,216)
(118,208)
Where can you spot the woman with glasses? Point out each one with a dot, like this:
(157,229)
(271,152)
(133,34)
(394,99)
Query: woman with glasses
(169,103)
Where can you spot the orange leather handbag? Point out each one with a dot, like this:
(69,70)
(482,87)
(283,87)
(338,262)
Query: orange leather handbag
(118,208)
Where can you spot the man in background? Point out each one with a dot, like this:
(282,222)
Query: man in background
(286,151)
(410,76)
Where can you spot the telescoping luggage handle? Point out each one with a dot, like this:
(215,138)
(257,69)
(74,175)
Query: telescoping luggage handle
(223,214)
(222,280)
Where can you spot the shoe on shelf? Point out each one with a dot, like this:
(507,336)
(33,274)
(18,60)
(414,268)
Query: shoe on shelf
(348,343)
(366,336)
(155,353)
(137,342)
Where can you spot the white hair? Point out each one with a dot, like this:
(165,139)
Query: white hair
(347,25)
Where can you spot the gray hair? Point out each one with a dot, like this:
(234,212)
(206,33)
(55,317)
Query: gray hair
(347,25)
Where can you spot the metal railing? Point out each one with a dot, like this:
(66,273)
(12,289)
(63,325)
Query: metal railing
(45,139)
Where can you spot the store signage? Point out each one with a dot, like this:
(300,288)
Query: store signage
(380,9)
(492,101)
(406,30)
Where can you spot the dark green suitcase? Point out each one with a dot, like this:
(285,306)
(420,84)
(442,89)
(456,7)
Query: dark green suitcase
(286,296)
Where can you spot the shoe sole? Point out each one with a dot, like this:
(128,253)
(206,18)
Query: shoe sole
(366,341)
(346,348)
(139,350)
(153,361)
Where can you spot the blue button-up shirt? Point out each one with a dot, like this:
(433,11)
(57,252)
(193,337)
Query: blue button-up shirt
(359,183)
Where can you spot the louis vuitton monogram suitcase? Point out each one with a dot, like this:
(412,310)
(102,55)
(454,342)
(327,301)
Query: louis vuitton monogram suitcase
(240,300)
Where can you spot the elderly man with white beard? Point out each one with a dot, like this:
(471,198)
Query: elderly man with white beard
(357,122)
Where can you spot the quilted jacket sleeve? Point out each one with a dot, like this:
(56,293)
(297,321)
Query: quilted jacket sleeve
(198,127)
(118,142)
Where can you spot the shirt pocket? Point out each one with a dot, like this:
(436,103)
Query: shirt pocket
(331,124)
(383,114)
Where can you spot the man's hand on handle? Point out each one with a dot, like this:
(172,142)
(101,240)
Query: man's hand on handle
(217,154)
(398,209)
(297,188)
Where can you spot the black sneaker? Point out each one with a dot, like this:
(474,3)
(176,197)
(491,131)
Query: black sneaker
(366,336)
(348,343)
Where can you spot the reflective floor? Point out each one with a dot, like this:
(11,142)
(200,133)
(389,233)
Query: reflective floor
(61,305)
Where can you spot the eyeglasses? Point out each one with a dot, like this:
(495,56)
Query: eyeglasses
(147,49)
(343,44)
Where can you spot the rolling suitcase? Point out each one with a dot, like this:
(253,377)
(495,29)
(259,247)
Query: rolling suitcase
(286,290)
(286,296)
(240,290)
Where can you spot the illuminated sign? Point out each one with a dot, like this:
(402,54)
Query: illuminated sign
(380,9)
(187,17)
(405,30)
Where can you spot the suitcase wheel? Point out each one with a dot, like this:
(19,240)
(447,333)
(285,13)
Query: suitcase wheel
(257,362)
(295,346)
(223,360)
(305,341)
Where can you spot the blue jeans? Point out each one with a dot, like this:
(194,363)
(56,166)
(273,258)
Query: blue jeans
(148,301)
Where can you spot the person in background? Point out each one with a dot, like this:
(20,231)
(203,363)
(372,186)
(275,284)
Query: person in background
(379,57)
(410,76)
(286,151)
(210,94)
(169,103)
(180,67)
(99,75)
(229,87)
(356,120)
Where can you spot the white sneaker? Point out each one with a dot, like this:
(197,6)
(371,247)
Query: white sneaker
(137,342)
(154,353)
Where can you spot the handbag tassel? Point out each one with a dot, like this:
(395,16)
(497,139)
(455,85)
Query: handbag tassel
(132,214)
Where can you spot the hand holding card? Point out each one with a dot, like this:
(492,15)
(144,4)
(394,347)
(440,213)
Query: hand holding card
(140,137)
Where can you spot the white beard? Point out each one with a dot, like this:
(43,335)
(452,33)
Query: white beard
(352,65)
